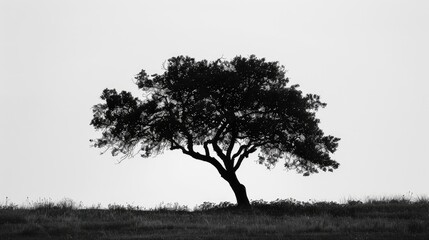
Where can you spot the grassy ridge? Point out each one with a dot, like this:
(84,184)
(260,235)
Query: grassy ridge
(281,219)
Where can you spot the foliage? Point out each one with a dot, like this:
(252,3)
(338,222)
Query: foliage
(233,108)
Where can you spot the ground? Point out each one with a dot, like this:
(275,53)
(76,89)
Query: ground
(282,219)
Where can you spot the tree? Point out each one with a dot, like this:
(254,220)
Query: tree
(230,109)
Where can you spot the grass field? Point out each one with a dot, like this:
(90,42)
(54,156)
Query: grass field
(282,219)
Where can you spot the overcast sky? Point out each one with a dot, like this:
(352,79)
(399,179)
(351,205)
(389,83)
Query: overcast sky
(367,59)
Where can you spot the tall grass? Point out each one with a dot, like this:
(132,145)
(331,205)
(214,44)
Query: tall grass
(384,218)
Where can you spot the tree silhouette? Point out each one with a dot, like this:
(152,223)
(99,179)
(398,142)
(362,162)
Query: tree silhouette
(230,109)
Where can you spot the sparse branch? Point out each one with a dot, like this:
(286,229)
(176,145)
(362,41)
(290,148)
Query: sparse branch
(216,147)
(241,149)
(210,160)
(206,149)
(199,156)
(189,140)
(220,153)
(243,156)
(175,145)
(232,142)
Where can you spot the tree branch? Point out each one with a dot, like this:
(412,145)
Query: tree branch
(189,140)
(206,149)
(234,134)
(216,147)
(210,160)
(243,156)
(222,156)
(175,145)
(242,148)
(200,156)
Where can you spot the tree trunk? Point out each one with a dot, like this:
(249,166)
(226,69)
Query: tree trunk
(239,191)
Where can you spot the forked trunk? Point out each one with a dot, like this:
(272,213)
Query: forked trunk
(239,191)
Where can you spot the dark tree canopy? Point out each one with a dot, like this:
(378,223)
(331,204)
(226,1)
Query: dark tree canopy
(230,108)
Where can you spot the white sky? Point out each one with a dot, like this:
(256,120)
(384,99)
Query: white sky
(367,59)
